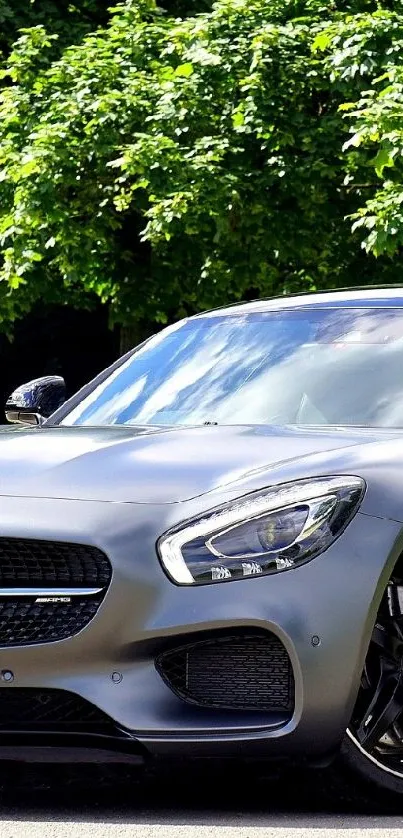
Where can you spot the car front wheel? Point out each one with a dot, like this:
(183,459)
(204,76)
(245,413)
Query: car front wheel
(373,746)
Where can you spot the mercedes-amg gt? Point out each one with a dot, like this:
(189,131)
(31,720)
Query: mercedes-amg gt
(201,552)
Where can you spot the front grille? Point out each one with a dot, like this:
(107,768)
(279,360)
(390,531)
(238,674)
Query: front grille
(238,672)
(30,710)
(23,623)
(28,562)
(76,573)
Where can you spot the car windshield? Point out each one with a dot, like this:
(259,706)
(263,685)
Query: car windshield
(306,366)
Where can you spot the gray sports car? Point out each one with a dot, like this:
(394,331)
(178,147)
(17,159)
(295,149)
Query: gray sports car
(201,552)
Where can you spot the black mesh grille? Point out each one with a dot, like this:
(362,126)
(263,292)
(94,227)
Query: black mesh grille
(239,672)
(23,623)
(26,562)
(47,565)
(29,709)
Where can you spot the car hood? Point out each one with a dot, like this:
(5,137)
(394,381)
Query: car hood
(153,465)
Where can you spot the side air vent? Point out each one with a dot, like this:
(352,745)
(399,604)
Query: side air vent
(237,672)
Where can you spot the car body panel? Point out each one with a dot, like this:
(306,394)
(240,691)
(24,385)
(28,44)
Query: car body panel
(160,465)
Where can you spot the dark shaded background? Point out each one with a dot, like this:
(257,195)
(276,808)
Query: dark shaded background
(62,341)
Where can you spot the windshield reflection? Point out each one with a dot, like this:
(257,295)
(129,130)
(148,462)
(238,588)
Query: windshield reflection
(307,366)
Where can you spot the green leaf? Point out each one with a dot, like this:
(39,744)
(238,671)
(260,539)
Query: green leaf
(28,168)
(384,159)
(321,42)
(185,70)
(347,106)
(238,119)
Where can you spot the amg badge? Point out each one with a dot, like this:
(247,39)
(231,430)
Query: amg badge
(53,599)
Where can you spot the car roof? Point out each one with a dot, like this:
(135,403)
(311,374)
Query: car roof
(368,297)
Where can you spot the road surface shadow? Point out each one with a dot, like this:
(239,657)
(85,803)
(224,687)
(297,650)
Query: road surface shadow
(215,793)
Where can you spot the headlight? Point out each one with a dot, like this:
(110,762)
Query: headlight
(265,532)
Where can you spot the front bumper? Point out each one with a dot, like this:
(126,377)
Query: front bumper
(111,663)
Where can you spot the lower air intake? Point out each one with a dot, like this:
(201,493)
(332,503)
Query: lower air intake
(49,710)
(235,672)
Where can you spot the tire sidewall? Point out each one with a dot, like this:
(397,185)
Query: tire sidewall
(366,769)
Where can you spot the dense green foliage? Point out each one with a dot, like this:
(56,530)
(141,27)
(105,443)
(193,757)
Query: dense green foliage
(71,21)
(167,164)
(372,45)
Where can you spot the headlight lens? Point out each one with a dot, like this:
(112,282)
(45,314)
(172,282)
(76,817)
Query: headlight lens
(265,532)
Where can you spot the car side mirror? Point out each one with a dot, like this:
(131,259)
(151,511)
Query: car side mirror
(33,402)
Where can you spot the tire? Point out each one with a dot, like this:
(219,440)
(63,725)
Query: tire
(371,754)
(365,781)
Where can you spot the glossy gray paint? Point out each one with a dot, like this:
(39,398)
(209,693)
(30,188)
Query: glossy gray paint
(120,488)
(145,465)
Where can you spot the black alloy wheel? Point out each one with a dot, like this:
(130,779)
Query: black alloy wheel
(373,746)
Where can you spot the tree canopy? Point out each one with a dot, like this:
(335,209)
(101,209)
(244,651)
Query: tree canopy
(166,164)
(71,21)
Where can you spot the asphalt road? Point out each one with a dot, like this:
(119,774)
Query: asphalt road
(62,803)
